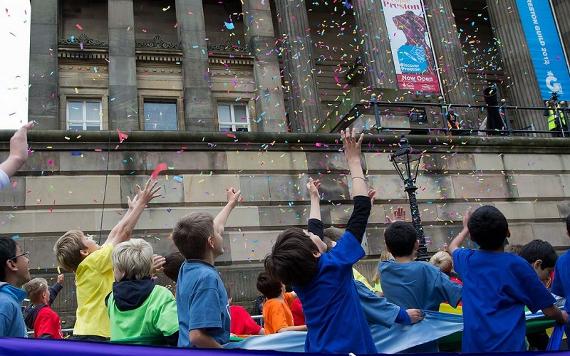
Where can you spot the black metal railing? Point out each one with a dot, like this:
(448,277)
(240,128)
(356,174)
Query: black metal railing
(439,115)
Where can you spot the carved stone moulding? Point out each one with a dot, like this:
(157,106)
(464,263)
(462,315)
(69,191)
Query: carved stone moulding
(82,41)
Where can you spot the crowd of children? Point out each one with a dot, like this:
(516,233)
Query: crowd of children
(118,299)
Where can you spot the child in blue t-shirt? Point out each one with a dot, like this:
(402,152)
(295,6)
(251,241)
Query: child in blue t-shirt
(201,298)
(323,281)
(496,286)
(414,284)
(561,283)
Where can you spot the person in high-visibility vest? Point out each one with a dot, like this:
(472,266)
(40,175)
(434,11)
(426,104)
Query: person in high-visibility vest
(556,117)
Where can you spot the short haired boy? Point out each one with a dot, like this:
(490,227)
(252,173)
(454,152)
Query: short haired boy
(324,281)
(14,272)
(561,282)
(414,284)
(140,311)
(496,286)
(93,266)
(542,257)
(201,298)
(42,318)
(277,316)
(17,156)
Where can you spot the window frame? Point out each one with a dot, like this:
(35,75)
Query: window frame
(233,123)
(158,100)
(83,102)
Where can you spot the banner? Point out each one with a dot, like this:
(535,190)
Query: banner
(14,71)
(545,48)
(411,46)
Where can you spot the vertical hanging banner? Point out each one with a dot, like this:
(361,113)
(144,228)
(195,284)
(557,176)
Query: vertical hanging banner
(545,48)
(14,71)
(411,46)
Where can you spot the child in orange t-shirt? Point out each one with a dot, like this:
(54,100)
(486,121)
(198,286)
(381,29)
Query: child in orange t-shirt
(277,315)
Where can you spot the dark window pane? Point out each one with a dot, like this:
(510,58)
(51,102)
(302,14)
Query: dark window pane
(160,117)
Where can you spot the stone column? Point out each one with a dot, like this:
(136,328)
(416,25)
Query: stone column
(304,102)
(376,54)
(198,107)
(260,37)
(123,99)
(43,99)
(562,10)
(523,87)
(450,59)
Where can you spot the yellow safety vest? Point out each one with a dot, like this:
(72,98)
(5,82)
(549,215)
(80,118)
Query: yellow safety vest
(552,122)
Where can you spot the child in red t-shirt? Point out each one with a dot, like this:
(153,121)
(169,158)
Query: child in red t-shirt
(242,323)
(41,317)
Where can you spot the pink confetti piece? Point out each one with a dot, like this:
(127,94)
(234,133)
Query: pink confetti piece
(79,27)
(122,136)
(159,168)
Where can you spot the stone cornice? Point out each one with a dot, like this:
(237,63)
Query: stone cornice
(168,140)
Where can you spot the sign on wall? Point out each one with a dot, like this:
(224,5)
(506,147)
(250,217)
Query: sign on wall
(411,46)
(545,48)
(14,62)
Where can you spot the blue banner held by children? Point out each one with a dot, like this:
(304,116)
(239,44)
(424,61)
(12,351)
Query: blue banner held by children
(545,48)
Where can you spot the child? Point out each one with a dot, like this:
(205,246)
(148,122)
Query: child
(324,281)
(277,315)
(14,272)
(542,257)
(201,298)
(561,282)
(413,284)
(241,321)
(496,286)
(443,261)
(31,311)
(140,311)
(172,265)
(18,154)
(42,319)
(93,267)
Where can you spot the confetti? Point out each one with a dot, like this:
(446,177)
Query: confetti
(79,27)
(229,25)
(159,168)
(122,136)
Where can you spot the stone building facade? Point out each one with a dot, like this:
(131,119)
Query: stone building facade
(259,65)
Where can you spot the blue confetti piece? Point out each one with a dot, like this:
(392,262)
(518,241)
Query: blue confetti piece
(15,237)
(229,25)
(75,153)
(179,179)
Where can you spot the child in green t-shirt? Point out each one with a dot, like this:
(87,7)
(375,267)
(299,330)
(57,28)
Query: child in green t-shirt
(140,311)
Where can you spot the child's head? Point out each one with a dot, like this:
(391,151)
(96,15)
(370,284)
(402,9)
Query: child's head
(269,286)
(71,248)
(401,239)
(541,255)
(443,261)
(37,290)
(14,264)
(195,236)
(293,259)
(488,228)
(172,265)
(132,260)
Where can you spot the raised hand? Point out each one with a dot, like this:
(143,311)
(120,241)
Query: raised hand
(144,196)
(351,145)
(372,195)
(157,264)
(398,215)
(234,196)
(313,186)
(60,279)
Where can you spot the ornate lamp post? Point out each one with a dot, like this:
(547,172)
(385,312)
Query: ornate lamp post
(407,160)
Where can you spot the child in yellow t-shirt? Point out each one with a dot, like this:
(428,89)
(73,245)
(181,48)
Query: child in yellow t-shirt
(93,267)
(277,315)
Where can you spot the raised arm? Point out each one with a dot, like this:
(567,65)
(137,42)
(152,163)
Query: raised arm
(315,225)
(18,151)
(234,197)
(122,231)
(362,202)
(460,238)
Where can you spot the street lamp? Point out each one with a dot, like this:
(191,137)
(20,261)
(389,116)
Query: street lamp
(407,160)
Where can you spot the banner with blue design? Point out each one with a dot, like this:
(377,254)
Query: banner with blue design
(545,48)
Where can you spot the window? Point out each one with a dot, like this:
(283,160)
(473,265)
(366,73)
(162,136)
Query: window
(233,117)
(84,115)
(160,116)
